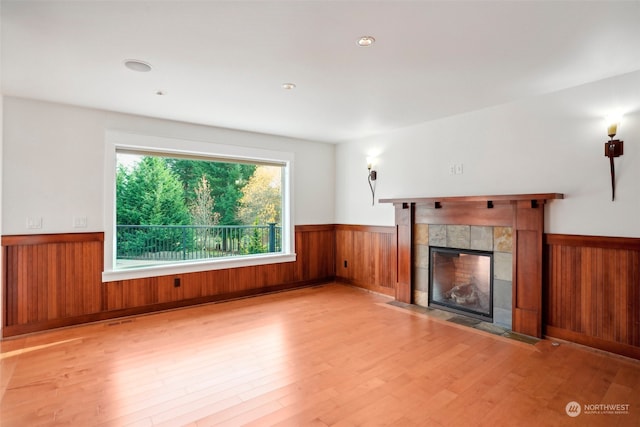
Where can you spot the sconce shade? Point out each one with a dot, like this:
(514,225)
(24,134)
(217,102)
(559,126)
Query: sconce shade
(613,122)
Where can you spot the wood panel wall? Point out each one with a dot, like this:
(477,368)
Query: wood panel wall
(366,257)
(592,291)
(55,280)
(591,285)
(48,277)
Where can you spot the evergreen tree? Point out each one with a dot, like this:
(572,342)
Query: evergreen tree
(226,181)
(124,215)
(154,195)
(256,245)
(150,195)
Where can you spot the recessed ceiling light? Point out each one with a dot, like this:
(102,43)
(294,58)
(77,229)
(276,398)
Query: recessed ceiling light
(365,41)
(137,65)
(288,86)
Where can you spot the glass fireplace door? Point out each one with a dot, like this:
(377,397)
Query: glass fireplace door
(461,281)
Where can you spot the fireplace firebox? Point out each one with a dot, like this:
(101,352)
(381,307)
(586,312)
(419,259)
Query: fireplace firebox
(461,281)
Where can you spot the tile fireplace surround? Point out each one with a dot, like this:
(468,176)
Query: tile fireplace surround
(462,221)
(498,240)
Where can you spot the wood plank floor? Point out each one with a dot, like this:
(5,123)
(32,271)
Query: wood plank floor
(330,355)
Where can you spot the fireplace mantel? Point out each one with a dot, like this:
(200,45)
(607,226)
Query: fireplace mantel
(472,199)
(524,213)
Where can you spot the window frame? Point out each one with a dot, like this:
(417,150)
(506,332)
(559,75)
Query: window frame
(198,150)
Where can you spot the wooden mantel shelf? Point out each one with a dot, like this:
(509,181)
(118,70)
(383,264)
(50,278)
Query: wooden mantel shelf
(471,199)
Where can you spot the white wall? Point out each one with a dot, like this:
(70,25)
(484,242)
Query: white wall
(1,175)
(552,143)
(1,229)
(53,164)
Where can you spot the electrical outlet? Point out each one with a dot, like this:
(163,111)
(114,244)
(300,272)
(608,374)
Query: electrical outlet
(176,282)
(80,222)
(452,169)
(345,263)
(459,169)
(34,222)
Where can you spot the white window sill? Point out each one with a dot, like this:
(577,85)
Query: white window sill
(195,266)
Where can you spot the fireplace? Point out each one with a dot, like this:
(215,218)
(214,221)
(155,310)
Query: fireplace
(461,281)
(517,265)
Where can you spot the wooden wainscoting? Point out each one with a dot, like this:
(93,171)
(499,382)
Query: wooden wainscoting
(50,277)
(592,291)
(315,253)
(55,280)
(366,257)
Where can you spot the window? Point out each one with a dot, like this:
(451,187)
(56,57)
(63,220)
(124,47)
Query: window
(201,207)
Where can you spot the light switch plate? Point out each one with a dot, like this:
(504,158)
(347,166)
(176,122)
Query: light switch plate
(34,222)
(80,222)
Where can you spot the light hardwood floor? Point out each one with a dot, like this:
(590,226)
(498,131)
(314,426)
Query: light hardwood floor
(330,355)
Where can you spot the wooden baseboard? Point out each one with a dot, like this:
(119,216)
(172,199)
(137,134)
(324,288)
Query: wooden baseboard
(371,287)
(589,341)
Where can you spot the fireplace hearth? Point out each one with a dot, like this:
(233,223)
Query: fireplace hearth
(461,281)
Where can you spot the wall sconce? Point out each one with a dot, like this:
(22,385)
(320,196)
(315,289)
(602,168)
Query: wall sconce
(613,148)
(372,177)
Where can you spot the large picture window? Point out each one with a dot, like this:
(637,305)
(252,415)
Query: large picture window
(180,211)
(170,209)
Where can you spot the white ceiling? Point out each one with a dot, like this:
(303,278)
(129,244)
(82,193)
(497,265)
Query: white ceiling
(223,63)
